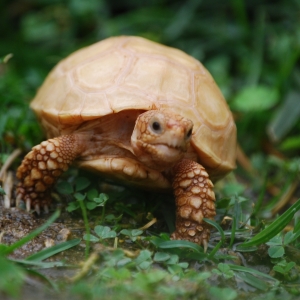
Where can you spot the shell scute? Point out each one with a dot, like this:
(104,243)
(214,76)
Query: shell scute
(160,78)
(101,73)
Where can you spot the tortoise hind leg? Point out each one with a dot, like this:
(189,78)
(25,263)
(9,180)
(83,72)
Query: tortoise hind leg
(42,166)
(195,200)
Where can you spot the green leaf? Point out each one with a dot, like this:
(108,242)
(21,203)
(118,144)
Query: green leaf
(174,259)
(145,255)
(145,265)
(290,265)
(223,267)
(217,272)
(161,256)
(90,237)
(276,251)
(289,237)
(255,98)
(279,269)
(81,183)
(64,187)
(225,270)
(72,206)
(283,267)
(101,199)
(79,196)
(275,241)
(273,229)
(104,232)
(124,261)
(183,265)
(175,270)
(136,232)
(90,205)
(133,234)
(222,293)
(91,194)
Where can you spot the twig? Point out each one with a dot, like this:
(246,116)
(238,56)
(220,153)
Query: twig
(153,221)
(284,199)
(9,161)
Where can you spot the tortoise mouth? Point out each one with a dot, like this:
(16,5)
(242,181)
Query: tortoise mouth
(166,147)
(174,146)
(178,143)
(164,154)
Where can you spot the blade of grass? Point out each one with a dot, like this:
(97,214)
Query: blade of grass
(180,244)
(40,264)
(218,227)
(233,230)
(51,283)
(252,280)
(46,253)
(87,228)
(273,229)
(261,195)
(253,272)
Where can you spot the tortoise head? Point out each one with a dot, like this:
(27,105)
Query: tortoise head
(160,138)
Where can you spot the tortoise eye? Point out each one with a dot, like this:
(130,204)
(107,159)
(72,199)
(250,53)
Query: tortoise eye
(156,127)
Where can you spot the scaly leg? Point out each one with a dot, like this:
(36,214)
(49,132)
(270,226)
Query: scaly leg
(195,200)
(41,167)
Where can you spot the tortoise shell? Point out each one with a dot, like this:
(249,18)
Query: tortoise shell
(132,73)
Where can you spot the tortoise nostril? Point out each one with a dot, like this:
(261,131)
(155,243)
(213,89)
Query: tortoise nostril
(188,135)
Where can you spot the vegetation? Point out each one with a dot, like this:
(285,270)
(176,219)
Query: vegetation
(252,49)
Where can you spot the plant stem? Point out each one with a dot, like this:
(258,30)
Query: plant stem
(87,228)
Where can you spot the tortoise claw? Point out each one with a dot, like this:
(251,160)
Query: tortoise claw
(205,245)
(28,204)
(37,208)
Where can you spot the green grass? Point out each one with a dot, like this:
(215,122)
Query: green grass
(252,50)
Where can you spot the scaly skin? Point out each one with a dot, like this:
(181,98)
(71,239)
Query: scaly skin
(195,200)
(42,166)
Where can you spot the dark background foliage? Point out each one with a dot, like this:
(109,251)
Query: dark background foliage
(251,47)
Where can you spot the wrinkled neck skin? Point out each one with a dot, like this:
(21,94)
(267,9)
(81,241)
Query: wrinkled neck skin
(160,139)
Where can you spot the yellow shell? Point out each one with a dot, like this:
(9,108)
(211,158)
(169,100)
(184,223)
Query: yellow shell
(126,73)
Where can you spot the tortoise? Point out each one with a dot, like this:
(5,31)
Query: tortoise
(140,112)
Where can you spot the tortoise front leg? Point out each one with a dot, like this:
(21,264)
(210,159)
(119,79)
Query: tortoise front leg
(195,200)
(41,167)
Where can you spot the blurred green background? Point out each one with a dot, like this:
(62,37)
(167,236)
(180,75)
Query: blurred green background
(251,47)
